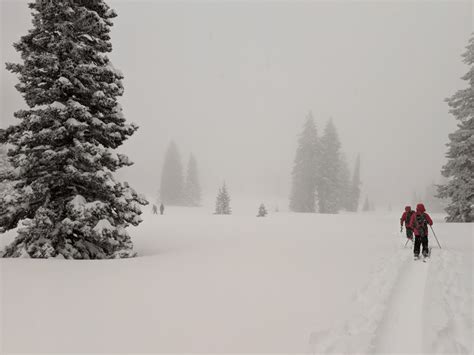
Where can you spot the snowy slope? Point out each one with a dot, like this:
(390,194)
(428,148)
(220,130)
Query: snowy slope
(283,283)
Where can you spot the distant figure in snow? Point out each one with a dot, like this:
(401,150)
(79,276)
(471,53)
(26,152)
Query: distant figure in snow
(162,208)
(155,209)
(419,223)
(406,217)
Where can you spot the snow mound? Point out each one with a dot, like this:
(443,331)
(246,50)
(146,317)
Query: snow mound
(103,225)
(75,123)
(57,106)
(77,202)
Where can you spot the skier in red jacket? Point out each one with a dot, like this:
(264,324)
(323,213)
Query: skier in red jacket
(406,217)
(419,223)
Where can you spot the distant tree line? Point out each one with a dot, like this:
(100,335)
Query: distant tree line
(321,179)
(177,189)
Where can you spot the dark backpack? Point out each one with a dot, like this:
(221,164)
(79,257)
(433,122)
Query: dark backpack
(421,224)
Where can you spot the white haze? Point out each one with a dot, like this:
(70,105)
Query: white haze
(232,82)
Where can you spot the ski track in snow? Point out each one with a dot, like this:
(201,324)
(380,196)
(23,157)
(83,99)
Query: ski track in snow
(401,330)
(420,308)
(358,334)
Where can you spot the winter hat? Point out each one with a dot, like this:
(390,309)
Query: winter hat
(420,208)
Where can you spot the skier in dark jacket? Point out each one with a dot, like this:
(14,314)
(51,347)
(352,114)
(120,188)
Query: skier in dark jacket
(162,209)
(419,223)
(155,209)
(406,217)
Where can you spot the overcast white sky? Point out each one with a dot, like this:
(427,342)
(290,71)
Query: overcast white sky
(233,81)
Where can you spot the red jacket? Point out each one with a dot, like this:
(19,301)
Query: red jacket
(404,216)
(420,209)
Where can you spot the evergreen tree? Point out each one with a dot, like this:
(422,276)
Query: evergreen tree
(62,155)
(171,189)
(262,211)
(305,170)
(355,187)
(344,187)
(460,166)
(192,188)
(366,206)
(223,201)
(329,184)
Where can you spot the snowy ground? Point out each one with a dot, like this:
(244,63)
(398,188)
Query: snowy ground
(293,283)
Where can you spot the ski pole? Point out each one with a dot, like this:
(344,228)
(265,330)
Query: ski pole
(435,236)
(406,242)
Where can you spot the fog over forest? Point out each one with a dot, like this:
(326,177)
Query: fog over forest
(232,82)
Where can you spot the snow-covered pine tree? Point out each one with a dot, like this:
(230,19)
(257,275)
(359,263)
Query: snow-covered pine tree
(329,185)
(460,166)
(172,181)
(62,155)
(366,206)
(223,201)
(344,187)
(355,187)
(262,211)
(192,188)
(305,170)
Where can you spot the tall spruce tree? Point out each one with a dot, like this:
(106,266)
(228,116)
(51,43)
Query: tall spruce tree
(305,170)
(355,187)
(62,155)
(223,201)
(192,188)
(460,166)
(172,184)
(329,182)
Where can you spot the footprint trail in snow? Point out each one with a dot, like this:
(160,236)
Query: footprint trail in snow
(401,330)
